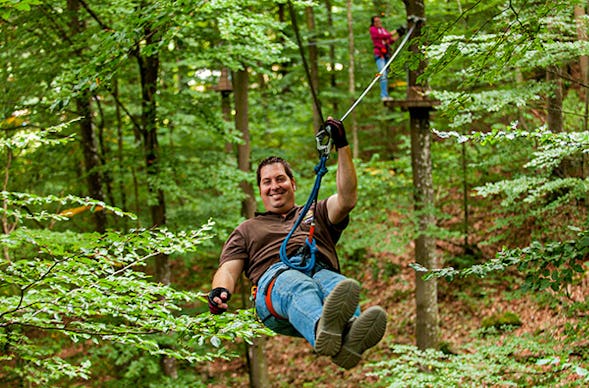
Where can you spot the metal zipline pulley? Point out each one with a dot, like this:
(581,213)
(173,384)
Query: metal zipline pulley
(324,141)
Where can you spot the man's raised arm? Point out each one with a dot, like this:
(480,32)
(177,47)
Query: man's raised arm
(339,205)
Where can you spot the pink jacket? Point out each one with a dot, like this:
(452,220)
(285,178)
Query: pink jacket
(381,38)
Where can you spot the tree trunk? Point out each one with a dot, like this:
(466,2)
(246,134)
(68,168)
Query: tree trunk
(226,110)
(314,66)
(149,71)
(352,81)
(120,153)
(149,68)
(91,158)
(244,150)
(258,369)
(554,104)
(521,115)
(332,71)
(426,292)
(89,144)
(224,87)
(580,13)
(465,190)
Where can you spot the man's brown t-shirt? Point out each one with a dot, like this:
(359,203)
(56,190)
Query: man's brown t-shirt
(257,241)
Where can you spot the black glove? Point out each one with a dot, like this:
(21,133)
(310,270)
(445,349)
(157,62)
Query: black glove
(337,131)
(214,306)
(401,31)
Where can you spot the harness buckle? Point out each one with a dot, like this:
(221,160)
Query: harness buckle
(253,293)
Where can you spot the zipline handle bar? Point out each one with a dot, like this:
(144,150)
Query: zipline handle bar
(384,69)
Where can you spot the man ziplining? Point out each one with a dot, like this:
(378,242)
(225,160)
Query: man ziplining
(300,292)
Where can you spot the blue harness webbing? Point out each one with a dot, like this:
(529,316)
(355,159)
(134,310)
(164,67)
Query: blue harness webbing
(320,170)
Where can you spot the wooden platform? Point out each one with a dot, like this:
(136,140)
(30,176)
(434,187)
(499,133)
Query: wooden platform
(416,99)
(408,104)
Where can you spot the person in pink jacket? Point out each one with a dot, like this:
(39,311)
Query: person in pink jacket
(382,39)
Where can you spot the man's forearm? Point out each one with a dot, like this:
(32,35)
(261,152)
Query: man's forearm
(227,275)
(346,179)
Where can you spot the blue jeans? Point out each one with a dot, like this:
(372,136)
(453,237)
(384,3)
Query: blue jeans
(384,86)
(296,296)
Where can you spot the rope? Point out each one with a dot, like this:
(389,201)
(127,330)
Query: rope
(321,170)
(295,26)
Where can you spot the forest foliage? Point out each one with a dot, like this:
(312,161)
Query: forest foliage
(510,163)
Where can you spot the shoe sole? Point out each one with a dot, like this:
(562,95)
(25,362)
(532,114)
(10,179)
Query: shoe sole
(366,331)
(338,308)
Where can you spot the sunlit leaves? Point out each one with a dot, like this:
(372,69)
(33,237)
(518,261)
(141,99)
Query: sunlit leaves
(92,287)
(29,139)
(466,108)
(550,266)
(7,6)
(19,205)
(65,288)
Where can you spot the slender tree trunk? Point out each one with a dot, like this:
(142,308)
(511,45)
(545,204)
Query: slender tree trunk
(258,368)
(332,71)
(120,156)
(7,227)
(352,81)
(580,13)
(521,117)
(313,65)
(226,110)
(554,118)
(426,292)
(465,198)
(224,87)
(91,159)
(149,71)
(88,137)
(244,150)
(554,105)
(104,151)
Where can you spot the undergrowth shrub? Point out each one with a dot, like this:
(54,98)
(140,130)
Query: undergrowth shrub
(509,361)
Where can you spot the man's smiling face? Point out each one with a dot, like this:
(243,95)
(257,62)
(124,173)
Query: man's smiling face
(276,189)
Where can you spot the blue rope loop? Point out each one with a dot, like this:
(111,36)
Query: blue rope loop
(320,170)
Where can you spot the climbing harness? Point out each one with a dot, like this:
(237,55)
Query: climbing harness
(307,253)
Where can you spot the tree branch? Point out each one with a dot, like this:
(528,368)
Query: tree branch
(94,16)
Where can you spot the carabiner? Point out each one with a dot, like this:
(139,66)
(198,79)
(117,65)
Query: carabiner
(324,141)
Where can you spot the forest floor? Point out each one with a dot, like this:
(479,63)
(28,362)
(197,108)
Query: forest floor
(463,305)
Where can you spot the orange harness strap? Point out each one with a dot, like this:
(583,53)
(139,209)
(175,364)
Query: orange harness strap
(268,299)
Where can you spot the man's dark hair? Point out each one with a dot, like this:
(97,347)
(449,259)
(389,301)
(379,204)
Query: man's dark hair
(272,160)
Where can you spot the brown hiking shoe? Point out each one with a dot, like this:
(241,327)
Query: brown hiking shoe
(365,331)
(338,308)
